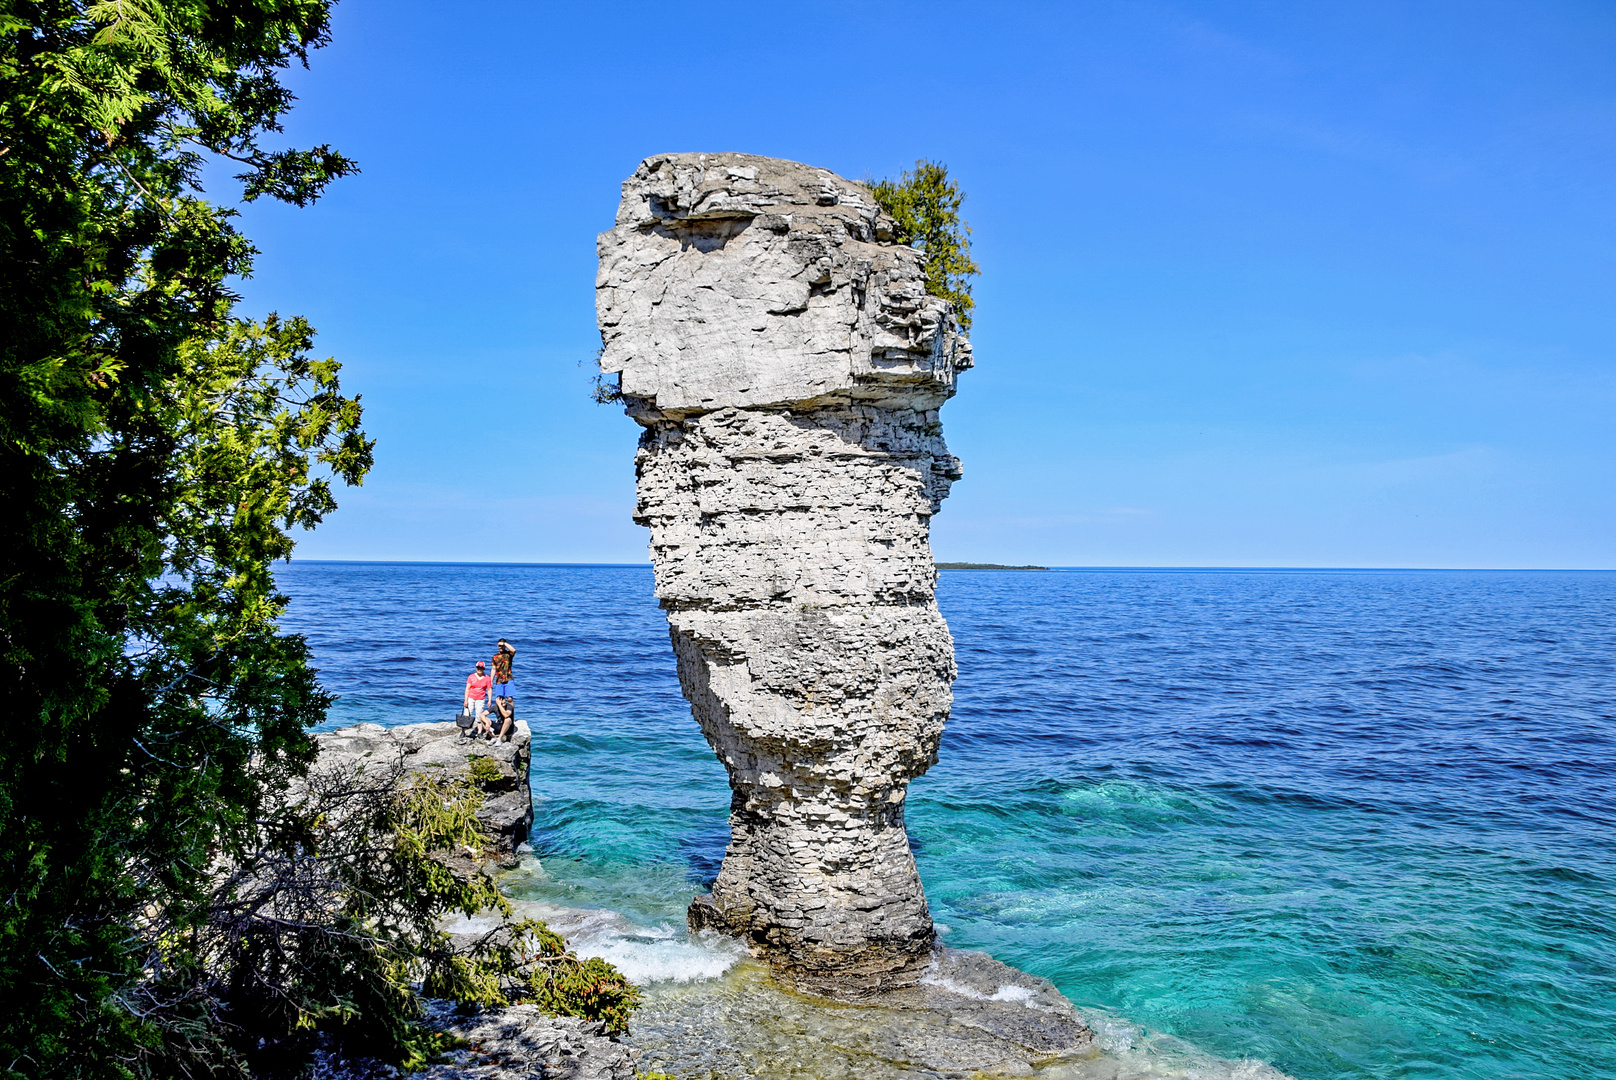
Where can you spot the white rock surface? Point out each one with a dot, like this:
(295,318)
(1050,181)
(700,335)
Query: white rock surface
(787,365)
(734,280)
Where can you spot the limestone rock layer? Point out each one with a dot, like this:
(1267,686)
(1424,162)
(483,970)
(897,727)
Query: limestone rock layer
(787,364)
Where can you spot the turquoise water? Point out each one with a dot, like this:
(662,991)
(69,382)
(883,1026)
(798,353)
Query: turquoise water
(1352,824)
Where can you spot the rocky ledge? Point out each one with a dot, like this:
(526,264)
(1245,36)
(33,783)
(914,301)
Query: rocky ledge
(499,768)
(969,1017)
(518,1042)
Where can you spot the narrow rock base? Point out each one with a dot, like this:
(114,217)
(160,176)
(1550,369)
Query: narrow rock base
(874,967)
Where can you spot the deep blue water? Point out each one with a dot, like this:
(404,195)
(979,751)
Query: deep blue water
(1352,823)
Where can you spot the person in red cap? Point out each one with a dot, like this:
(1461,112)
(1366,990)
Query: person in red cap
(477,684)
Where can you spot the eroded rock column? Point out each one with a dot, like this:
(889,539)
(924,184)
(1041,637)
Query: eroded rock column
(787,365)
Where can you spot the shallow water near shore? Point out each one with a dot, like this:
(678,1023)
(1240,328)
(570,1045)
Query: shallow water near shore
(710,1012)
(1336,824)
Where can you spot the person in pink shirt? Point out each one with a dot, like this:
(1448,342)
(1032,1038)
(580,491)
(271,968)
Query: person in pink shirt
(477,684)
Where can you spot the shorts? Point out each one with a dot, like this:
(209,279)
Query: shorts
(502,689)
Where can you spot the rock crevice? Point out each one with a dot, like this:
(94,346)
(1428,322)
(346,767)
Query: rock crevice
(787,364)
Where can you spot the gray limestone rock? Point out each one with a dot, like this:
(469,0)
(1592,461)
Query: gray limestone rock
(735,280)
(507,810)
(787,365)
(521,1042)
(513,1042)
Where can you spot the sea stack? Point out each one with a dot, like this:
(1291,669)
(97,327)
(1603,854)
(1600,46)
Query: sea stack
(787,364)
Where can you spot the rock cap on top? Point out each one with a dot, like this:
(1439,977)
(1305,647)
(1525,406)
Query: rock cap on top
(737,281)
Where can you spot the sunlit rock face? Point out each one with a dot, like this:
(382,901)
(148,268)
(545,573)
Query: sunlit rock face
(442,750)
(787,365)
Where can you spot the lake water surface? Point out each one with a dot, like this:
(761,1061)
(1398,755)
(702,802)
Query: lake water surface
(1352,824)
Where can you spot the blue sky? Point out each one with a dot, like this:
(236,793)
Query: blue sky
(1263,284)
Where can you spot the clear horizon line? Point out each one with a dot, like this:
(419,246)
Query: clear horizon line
(1051,567)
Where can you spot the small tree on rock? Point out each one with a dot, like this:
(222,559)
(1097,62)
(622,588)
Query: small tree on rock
(924,205)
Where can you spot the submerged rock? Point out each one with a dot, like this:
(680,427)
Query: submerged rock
(968,1016)
(787,364)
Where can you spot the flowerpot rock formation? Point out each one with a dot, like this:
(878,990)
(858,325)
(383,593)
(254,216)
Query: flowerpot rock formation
(787,364)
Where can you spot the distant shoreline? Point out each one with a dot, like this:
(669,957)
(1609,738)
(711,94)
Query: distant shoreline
(984,566)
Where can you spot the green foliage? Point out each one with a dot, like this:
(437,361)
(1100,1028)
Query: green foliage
(589,988)
(170,911)
(603,392)
(323,932)
(485,771)
(156,451)
(323,927)
(925,209)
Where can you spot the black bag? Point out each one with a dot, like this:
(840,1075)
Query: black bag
(465,720)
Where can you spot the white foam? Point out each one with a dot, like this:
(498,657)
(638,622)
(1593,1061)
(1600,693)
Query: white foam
(481,923)
(662,955)
(1005,992)
(645,954)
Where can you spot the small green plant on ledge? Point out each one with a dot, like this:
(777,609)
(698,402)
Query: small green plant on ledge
(924,205)
(485,771)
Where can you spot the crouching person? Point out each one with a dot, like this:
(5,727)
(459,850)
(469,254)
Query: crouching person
(503,716)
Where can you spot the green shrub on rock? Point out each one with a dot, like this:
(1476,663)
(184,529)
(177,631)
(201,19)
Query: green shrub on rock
(590,988)
(486,772)
(925,209)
